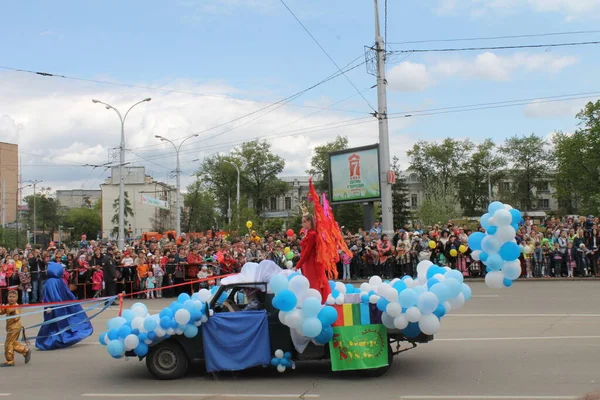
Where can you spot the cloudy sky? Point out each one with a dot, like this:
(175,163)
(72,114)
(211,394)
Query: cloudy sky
(207,64)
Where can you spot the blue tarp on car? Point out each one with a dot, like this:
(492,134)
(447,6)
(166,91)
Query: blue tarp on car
(237,340)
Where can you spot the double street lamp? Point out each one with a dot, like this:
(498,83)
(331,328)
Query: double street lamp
(238,185)
(121,164)
(178,172)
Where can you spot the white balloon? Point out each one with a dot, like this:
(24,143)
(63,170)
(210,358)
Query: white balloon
(375,281)
(203,295)
(289,264)
(394,309)
(447,306)
(294,318)
(475,254)
(330,299)
(373,299)
(313,293)
(508,207)
(131,342)
(340,287)
(365,287)
(160,332)
(457,302)
(148,341)
(440,277)
(511,269)
(387,321)
(505,233)
(400,322)
(394,281)
(137,323)
(282,315)
(170,331)
(391,294)
(427,302)
(502,217)
(422,268)
(182,316)
(280,368)
(413,314)
(494,280)
(429,324)
(299,284)
(339,300)
(139,311)
(198,323)
(279,353)
(490,244)
(383,288)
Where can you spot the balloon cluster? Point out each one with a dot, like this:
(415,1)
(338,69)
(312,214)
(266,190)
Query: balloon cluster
(417,305)
(339,292)
(136,330)
(282,361)
(497,248)
(301,307)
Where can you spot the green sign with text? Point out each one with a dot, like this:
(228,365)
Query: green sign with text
(358,347)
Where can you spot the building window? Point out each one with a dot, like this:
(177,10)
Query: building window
(413,200)
(288,203)
(506,186)
(544,204)
(544,186)
(273,204)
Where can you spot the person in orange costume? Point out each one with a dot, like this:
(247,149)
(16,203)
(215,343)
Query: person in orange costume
(313,270)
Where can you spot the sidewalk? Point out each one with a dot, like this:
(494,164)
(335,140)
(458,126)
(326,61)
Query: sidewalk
(359,281)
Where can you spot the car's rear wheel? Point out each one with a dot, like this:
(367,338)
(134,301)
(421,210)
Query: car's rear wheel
(167,361)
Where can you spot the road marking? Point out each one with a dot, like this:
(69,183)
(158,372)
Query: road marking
(210,395)
(433,397)
(514,338)
(5,394)
(524,315)
(485,295)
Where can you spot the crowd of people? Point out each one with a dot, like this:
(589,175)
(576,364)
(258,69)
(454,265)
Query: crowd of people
(557,247)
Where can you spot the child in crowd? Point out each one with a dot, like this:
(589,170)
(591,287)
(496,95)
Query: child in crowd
(150,285)
(346,262)
(25,283)
(557,260)
(142,273)
(13,331)
(203,274)
(538,260)
(97,281)
(211,282)
(547,260)
(158,272)
(571,260)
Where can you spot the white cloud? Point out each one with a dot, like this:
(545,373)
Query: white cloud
(559,109)
(571,9)
(409,77)
(494,67)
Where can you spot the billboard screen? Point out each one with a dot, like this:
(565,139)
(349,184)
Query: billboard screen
(354,175)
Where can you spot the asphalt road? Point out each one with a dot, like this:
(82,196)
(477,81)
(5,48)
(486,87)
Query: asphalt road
(536,340)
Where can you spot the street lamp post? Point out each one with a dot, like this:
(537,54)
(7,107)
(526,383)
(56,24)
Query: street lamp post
(238,185)
(34,183)
(121,163)
(178,172)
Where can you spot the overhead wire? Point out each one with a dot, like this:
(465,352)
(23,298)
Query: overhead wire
(497,37)
(526,46)
(326,53)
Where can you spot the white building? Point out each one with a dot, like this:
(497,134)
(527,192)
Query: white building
(288,204)
(152,202)
(78,198)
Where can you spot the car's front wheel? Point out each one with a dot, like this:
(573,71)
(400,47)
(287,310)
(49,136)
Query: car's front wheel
(167,361)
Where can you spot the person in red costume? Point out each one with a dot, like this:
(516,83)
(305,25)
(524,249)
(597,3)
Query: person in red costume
(308,264)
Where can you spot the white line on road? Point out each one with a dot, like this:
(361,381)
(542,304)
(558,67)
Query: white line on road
(485,295)
(434,397)
(524,315)
(210,395)
(5,394)
(482,339)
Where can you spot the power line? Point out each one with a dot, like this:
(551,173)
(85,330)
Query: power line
(496,37)
(527,46)
(326,53)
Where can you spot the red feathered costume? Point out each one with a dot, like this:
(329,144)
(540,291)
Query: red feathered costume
(311,268)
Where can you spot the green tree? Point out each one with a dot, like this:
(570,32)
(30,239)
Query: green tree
(439,204)
(483,166)
(47,211)
(319,163)
(201,205)
(273,225)
(529,159)
(128,212)
(12,238)
(83,221)
(261,167)
(399,196)
(219,178)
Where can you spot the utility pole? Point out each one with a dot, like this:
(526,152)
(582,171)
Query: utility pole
(34,183)
(238,190)
(3,203)
(387,214)
(489,187)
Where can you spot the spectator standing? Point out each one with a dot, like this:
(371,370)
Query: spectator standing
(158,272)
(150,285)
(109,272)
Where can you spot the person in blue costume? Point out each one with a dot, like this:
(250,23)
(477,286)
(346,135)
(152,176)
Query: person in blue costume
(65,332)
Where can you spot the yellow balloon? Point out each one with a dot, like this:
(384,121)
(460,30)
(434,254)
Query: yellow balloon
(249,224)
(432,244)
(462,248)
(453,252)
(286,250)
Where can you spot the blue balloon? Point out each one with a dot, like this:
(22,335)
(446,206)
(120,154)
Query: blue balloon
(328,315)
(516,216)
(483,256)
(176,307)
(112,334)
(311,327)
(292,276)
(286,300)
(507,282)
(278,283)
(165,322)
(509,251)
(434,270)
(454,274)
(128,315)
(440,311)
(166,312)
(116,348)
(485,221)
(441,291)
(466,291)
(150,324)
(335,293)
(494,262)
(115,323)
(495,206)
(188,305)
(515,226)
(174,324)
(102,338)
(419,289)
(311,307)
(382,304)
(152,335)
(332,285)
(412,330)
(454,287)
(431,282)
(142,336)
(183,297)
(287,355)
(408,298)
(475,240)
(349,288)
(135,332)
(286,362)
(492,230)
(190,331)
(364,298)
(399,286)
(275,361)
(124,331)
(141,350)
